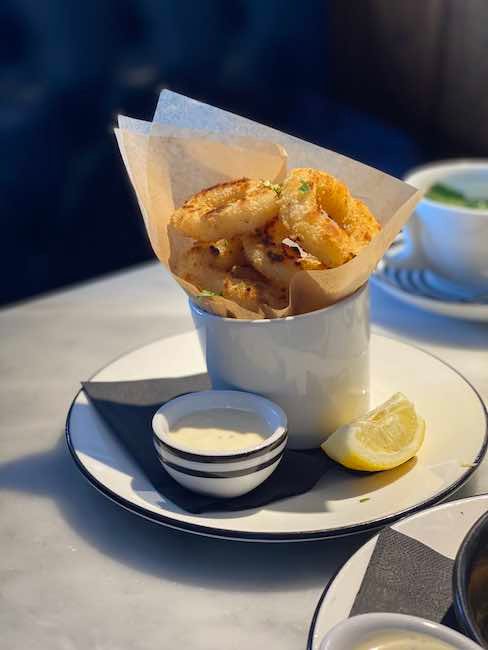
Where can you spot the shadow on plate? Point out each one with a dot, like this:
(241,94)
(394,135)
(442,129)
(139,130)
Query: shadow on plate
(337,485)
(340,485)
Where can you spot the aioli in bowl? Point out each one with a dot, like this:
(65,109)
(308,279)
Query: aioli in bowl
(402,640)
(219,429)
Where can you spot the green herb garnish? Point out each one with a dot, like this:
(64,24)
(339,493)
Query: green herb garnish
(276,187)
(304,186)
(445,194)
(206,293)
(364,499)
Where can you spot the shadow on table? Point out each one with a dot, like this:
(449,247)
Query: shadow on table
(411,322)
(161,551)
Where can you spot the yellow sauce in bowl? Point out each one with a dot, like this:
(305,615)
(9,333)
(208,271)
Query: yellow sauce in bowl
(402,640)
(219,430)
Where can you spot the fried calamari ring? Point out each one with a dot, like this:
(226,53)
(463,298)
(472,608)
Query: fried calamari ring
(195,267)
(276,260)
(226,253)
(351,214)
(325,219)
(251,294)
(361,223)
(227,210)
(302,213)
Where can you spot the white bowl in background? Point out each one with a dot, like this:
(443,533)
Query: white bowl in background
(452,240)
(217,473)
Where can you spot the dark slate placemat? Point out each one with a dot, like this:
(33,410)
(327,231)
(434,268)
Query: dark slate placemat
(405,576)
(128,407)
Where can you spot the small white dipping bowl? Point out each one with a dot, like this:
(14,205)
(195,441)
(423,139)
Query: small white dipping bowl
(218,473)
(355,630)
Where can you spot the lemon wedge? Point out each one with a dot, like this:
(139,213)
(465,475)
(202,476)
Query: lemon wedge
(384,438)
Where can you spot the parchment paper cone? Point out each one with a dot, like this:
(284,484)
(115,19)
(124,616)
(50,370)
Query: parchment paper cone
(167,162)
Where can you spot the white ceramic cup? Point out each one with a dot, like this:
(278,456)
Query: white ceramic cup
(450,239)
(315,365)
(353,631)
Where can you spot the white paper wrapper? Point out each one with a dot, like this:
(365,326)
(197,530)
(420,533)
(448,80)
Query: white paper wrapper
(190,146)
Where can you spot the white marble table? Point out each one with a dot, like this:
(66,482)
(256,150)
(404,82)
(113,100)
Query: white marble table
(76,571)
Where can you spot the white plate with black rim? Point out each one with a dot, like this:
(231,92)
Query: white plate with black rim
(342,502)
(443,528)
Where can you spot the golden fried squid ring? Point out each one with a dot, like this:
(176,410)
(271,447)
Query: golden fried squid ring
(361,223)
(303,214)
(227,210)
(323,216)
(226,253)
(351,214)
(251,294)
(276,260)
(195,266)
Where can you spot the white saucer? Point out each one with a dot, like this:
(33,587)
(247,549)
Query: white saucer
(342,502)
(424,289)
(443,528)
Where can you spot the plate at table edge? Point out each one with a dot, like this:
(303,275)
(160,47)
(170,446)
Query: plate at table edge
(425,526)
(108,468)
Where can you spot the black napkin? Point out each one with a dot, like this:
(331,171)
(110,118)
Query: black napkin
(405,576)
(128,407)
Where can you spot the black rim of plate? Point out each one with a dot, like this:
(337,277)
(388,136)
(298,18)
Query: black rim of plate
(323,595)
(314,535)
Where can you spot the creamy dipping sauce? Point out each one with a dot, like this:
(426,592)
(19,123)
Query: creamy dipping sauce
(220,430)
(402,640)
